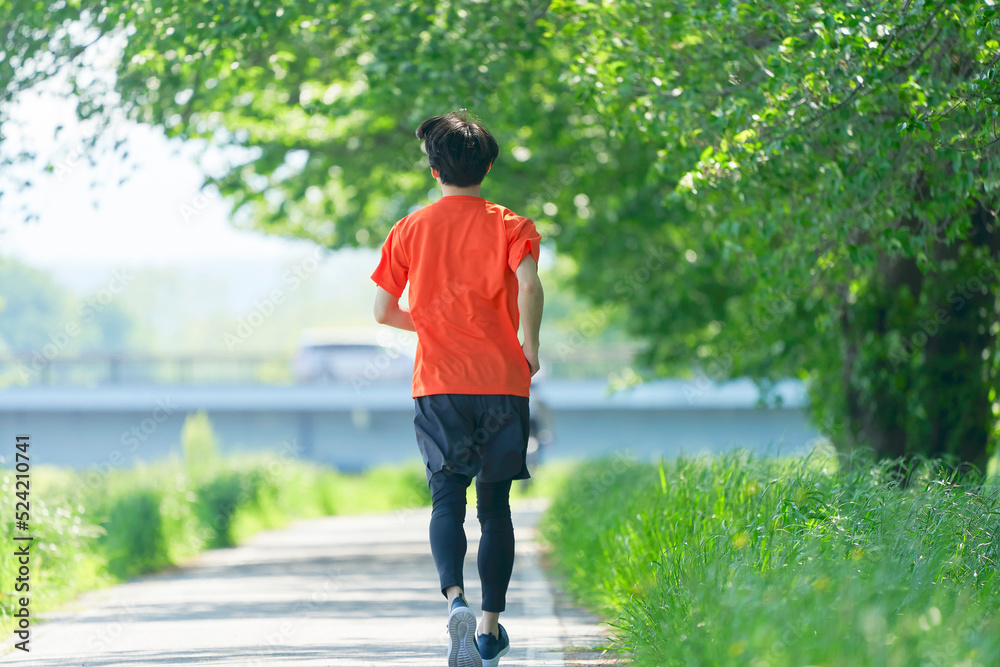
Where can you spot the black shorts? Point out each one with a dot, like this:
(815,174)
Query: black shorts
(476,435)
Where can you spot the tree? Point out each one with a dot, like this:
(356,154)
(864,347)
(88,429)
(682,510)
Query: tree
(43,323)
(34,308)
(839,163)
(768,189)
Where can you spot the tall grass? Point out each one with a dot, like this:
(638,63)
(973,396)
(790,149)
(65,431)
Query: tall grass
(739,560)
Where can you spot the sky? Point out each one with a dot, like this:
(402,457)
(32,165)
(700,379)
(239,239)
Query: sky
(157,217)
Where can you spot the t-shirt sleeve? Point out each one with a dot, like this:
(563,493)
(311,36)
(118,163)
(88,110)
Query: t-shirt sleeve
(522,240)
(393,267)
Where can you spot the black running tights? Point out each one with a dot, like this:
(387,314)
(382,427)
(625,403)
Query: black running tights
(447,532)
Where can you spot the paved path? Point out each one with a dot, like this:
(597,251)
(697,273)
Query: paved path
(358,591)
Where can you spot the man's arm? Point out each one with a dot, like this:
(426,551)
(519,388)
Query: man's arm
(530,300)
(388,311)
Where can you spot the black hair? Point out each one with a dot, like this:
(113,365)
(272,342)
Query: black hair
(459,148)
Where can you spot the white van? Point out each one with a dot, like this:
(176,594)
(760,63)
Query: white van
(347,354)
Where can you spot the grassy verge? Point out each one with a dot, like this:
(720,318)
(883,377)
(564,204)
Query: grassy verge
(738,560)
(94,528)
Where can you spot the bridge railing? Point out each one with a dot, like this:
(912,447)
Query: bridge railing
(94,369)
(121,369)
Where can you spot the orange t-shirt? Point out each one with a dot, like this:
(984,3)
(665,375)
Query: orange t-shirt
(459,255)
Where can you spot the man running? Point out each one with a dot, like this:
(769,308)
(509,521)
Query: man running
(472,271)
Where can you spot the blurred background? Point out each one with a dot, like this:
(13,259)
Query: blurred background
(121,318)
(153,265)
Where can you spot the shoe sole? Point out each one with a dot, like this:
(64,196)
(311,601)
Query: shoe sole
(495,662)
(462,651)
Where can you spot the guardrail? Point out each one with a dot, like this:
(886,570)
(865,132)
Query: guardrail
(119,369)
(97,369)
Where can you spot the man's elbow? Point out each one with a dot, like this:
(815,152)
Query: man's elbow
(381,314)
(530,286)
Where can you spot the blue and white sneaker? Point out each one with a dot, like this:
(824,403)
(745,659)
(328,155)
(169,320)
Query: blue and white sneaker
(462,650)
(491,648)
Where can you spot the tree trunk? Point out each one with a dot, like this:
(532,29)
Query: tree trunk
(933,398)
(958,378)
(876,386)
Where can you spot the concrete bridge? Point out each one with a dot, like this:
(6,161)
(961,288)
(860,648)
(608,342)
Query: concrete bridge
(337,424)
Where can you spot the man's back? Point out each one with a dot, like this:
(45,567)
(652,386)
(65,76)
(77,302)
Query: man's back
(460,255)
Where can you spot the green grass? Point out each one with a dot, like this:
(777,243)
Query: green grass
(547,481)
(738,560)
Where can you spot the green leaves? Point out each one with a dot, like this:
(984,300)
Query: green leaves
(807,121)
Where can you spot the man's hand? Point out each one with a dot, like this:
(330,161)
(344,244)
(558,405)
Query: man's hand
(531,354)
